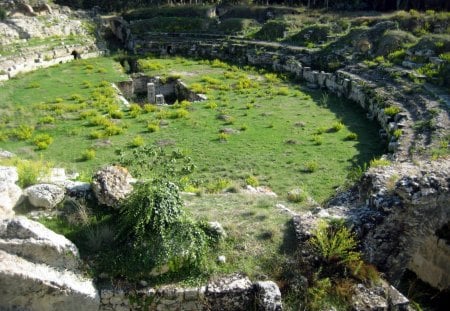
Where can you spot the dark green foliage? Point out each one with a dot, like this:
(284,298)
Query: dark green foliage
(154,162)
(154,233)
(2,14)
(272,30)
(236,25)
(314,34)
(171,24)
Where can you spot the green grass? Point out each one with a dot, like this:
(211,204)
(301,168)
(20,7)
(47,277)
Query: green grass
(79,99)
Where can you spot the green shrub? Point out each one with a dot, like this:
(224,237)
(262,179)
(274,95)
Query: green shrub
(336,127)
(46,120)
(150,108)
(297,196)
(154,231)
(30,171)
(311,166)
(397,133)
(211,105)
(272,30)
(335,245)
(351,136)
(23,132)
(392,110)
(223,137)
(42,141)
(33,85)
(88,113)
(218,185)
(379,162)
(88,154)
(317,139)
(96,134)
(116,114)
(153,127)
(99,120)
(112,130)
(252,181)
(137,141)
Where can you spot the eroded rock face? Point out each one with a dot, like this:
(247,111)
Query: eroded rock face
(268,296)
(34,242)
(25,285)
(45,195)
(8,174)
(231,293)
(111,185)
(10,196)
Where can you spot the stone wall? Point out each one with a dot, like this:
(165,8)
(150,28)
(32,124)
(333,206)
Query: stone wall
(12,66)
(233,293)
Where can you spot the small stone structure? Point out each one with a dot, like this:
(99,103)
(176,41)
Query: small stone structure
(156,90)
(233,293)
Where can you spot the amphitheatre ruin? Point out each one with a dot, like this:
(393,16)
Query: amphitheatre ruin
(229,155)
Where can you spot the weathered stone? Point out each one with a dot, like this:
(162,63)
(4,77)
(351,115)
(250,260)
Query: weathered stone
(6,154)
(8,174)
(267,296)
(33,241)
(217,229)
(397,302)
(230,293)
(10,196)
(111,185)
(369,299)
(45,195)
(24,284)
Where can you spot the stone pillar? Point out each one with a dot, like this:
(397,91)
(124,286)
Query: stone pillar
(151,93)
(160,99)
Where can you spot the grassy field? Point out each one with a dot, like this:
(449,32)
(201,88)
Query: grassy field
(253,124)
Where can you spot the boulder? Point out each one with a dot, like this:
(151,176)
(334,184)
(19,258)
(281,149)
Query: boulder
(267,296)
(25,285)
(45,195)
(6,154)
(369,299)
(111,185)
(10,196)
(33,241)
(230,293)
(8,174)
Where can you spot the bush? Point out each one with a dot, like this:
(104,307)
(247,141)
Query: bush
(392,110)
(116,114)
(379,162)
(351,136)
(223,137)
(30,171)
(137,141)
(334,243)
(252,181)
(23,132)
(153,127)
(88,154)
(155,231)
(311,167)
(336,127)
(297,195)
(96,134)
(42,141)
(218,185)
(317,139)
(46,120)
(113,129)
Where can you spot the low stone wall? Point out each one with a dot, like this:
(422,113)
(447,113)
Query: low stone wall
(12,66)
(233,293)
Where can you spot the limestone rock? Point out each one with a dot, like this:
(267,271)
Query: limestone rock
(33,241)
(268,296)
(6,154)
(8,174)
(112,184)
(10,196)
(29,286)
(217,229)
(366,299)
(230,293)
(45,195)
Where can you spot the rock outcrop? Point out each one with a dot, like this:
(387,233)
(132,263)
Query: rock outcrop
(38,270)
(34,242)
(25,285)
(111,185)
(45,195)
